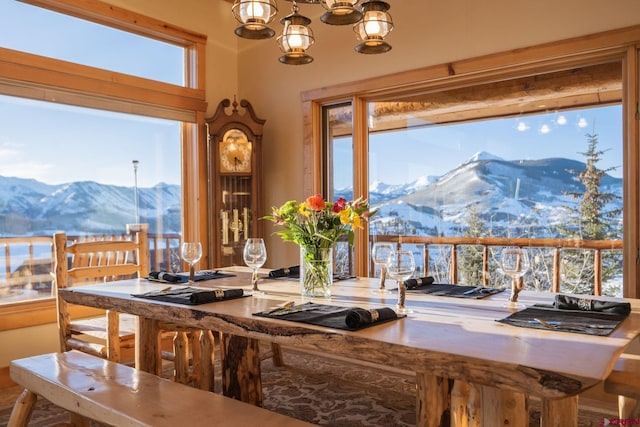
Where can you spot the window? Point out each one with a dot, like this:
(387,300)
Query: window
(39,31)
(74,133)
(442,155)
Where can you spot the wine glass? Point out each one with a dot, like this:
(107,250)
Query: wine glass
(514,263)
(379,255)
(191,253)
(400,266)
(255,255)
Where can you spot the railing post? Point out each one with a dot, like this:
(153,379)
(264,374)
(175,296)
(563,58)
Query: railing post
(597,272)
(555,285)
(454,264)
(485,265)
(426,260)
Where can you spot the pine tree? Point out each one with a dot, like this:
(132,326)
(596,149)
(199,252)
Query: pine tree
(590,219)
(470,259)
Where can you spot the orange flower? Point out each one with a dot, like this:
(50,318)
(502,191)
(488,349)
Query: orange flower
(315,203)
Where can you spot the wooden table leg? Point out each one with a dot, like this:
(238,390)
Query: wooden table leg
(207,359)
(504,408)
(559,412)
(240,357)
(466,404)
(148,346)
(433,405)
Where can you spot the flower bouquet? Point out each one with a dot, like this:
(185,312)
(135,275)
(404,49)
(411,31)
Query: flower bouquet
(316,225)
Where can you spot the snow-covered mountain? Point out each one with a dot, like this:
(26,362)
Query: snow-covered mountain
(29,207)
(512,198)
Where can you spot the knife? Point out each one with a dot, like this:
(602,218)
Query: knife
(553,324)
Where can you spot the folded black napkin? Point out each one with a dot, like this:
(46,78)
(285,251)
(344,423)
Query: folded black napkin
(566,302)
(192,296)
(360,317)
(330,316)
(163,276)
(293,271)
(416,283)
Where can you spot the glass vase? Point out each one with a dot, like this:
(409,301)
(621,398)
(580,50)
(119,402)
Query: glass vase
(316,272)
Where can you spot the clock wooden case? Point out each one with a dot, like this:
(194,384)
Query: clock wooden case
(235,169)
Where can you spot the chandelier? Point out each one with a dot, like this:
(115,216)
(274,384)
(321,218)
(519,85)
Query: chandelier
(371,23)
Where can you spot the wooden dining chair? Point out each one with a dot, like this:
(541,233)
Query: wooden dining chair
(97,260)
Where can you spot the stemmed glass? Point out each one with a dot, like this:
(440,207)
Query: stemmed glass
(400,266)
(514,263)
(191,253)
(379,255)
(255,255)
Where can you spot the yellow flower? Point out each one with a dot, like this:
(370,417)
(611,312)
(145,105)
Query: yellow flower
(345,216)
(302,210)
(357,221)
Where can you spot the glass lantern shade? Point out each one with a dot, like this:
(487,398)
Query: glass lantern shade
(376,24)
(341,12)
(254,15)
(296,38)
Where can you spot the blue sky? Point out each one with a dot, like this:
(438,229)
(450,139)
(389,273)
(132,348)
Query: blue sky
(403,156)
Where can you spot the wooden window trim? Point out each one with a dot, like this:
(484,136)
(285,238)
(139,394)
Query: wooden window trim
(38,312)
(48,79)
(615,45)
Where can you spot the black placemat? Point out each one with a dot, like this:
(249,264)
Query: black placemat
(331,316)
(577,321)
(296,277)
(164,277)
(457,291)
(192,296)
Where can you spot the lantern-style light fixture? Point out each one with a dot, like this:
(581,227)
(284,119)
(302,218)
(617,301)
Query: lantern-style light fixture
(370,19)
(376,24)
(341,12)
(255,17)
(296,38)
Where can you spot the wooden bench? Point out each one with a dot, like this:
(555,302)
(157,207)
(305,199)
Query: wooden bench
(92,388)
(624,381)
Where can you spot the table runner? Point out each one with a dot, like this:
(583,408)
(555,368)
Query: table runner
(192,296)
(576,321)
(346,318)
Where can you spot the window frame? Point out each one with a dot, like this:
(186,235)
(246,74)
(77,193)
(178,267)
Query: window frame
(616,45)
(36,77)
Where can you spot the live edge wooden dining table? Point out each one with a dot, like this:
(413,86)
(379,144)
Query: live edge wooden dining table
(469,368)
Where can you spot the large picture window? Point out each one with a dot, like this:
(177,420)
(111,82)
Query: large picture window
(459,172)
(93,139)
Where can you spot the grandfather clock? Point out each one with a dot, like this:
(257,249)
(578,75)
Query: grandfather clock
(235,171)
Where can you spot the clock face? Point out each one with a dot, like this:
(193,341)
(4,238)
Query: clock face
(235,152)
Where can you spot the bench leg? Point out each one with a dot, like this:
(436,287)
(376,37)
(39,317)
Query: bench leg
(628,407)
(22,409)
(79,420)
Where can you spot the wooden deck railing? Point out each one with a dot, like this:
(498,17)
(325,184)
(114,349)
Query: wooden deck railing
(34,273)
(556,246)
